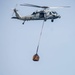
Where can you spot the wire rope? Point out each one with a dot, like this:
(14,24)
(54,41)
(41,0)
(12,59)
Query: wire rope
(40,38)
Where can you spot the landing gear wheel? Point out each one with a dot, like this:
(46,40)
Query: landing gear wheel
(23,22)
(52,20)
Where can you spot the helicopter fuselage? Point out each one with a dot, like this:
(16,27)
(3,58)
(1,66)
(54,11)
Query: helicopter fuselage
(38,15)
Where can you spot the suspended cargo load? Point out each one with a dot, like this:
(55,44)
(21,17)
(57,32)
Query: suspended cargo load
(36,57)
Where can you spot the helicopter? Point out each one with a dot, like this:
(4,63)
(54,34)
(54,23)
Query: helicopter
(43,14)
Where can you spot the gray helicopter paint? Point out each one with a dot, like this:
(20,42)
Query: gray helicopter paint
(40,15)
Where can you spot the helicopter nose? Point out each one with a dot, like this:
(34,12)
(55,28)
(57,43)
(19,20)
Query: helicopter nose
(59,16)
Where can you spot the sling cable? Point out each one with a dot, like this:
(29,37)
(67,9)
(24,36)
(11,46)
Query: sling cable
(36,56)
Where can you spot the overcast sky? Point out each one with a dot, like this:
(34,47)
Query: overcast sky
(18,42)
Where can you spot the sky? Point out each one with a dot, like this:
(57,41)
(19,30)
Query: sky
(18,42)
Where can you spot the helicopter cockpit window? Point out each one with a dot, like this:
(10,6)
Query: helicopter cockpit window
(33,13)
(54,12)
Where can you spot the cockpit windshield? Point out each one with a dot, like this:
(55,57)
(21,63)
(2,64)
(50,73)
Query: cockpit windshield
(34,13)
(54,12)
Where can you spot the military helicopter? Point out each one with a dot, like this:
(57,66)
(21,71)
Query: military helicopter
(43,14)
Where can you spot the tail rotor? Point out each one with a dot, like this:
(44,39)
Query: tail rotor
(14,9)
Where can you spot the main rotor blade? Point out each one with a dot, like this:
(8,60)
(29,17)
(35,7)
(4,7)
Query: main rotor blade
(44,7)
(59,7)
(31,5)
